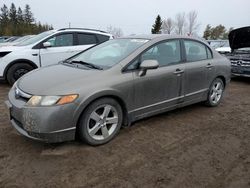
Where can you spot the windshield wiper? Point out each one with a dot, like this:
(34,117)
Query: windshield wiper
(87,64)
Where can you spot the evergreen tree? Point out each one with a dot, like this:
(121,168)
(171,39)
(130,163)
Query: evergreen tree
(19,22)
(28,15)
(13,19)
(156,28)
(4,19)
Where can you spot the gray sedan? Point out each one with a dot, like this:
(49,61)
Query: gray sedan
(91,95)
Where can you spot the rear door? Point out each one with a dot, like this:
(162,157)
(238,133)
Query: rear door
(198,70)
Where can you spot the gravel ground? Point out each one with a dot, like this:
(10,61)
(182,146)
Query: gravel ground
(195,146)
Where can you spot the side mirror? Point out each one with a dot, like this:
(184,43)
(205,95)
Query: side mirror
(146,65)
(47,44)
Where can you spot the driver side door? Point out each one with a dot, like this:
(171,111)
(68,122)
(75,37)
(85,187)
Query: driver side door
(160,89)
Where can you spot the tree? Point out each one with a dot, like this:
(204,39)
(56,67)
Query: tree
(180,23)
(116,32)
(207,32)
(168,26)
(28,15)
(4,19)
(156,28)
(19,22)
(192,24)
(218,32)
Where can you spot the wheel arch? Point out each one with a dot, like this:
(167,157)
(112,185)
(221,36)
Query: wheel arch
(223,79)
(96,97)
(31,63)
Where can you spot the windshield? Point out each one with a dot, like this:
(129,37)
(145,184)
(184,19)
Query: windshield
(109,53)
(35,38)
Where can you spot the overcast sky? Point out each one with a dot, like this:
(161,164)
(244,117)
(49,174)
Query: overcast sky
(135,16)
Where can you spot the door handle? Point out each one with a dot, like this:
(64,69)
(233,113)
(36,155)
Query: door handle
(179,71)
(209,65)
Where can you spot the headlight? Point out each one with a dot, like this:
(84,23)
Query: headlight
(51,100)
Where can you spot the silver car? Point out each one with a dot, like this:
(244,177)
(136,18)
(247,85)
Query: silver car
(91,95)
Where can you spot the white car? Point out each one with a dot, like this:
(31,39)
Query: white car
(223,50)
(46,49)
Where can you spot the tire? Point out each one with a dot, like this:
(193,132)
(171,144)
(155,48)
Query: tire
(16,71)
(100,122)
(215,93)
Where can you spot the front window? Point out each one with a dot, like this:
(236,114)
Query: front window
(109,53)
(36,38)
(61,40)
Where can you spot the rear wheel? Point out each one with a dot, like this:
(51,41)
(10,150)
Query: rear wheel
(215,92)
(100,122)
(16,71)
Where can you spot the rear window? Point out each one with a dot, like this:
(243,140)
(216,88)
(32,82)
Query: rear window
(102,38)
(85,39)
(195,51)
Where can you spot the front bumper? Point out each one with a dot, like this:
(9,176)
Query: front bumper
(48,124)
(240,70)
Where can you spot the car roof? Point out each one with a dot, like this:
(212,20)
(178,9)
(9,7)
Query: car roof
(87,30)
(162,37)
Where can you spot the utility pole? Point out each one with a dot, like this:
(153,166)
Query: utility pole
(69,25)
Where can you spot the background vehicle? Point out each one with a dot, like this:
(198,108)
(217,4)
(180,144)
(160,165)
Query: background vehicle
(3,38)
(221,46)
(15,42)
(114,84)
(46,49)
(240,57)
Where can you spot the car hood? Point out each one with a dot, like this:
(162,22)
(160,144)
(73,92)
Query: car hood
(11,48)
(57,80)
(239,38)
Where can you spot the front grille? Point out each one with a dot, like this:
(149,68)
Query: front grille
(241,63)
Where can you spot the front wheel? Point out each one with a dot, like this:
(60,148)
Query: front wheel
(100,122)
(16,71)
(215,93)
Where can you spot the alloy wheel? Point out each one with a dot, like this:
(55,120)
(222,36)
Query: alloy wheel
(102,122)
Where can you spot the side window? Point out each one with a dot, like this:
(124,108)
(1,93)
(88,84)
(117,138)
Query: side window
(102,38)
(86,39)
(166,53)
(195,51)
(61,40)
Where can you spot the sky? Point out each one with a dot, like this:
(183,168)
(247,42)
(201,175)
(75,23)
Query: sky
(134,16)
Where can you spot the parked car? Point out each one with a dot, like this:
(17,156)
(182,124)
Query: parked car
(221,46)
(240,57)
(116,83)
(45,49)
(17,41)
(3,38)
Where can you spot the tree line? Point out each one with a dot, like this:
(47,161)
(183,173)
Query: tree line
(183,23)
(217,32)
(187,24)
(17,22)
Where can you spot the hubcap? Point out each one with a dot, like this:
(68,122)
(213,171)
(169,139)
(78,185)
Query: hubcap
(102,122)
(216,92)
(19,73)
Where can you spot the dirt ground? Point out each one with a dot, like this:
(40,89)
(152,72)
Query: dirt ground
(195,146)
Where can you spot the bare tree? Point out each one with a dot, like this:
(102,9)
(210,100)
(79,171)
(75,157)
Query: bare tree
(115,31)
(167,26)
(192,24)
(180,22)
